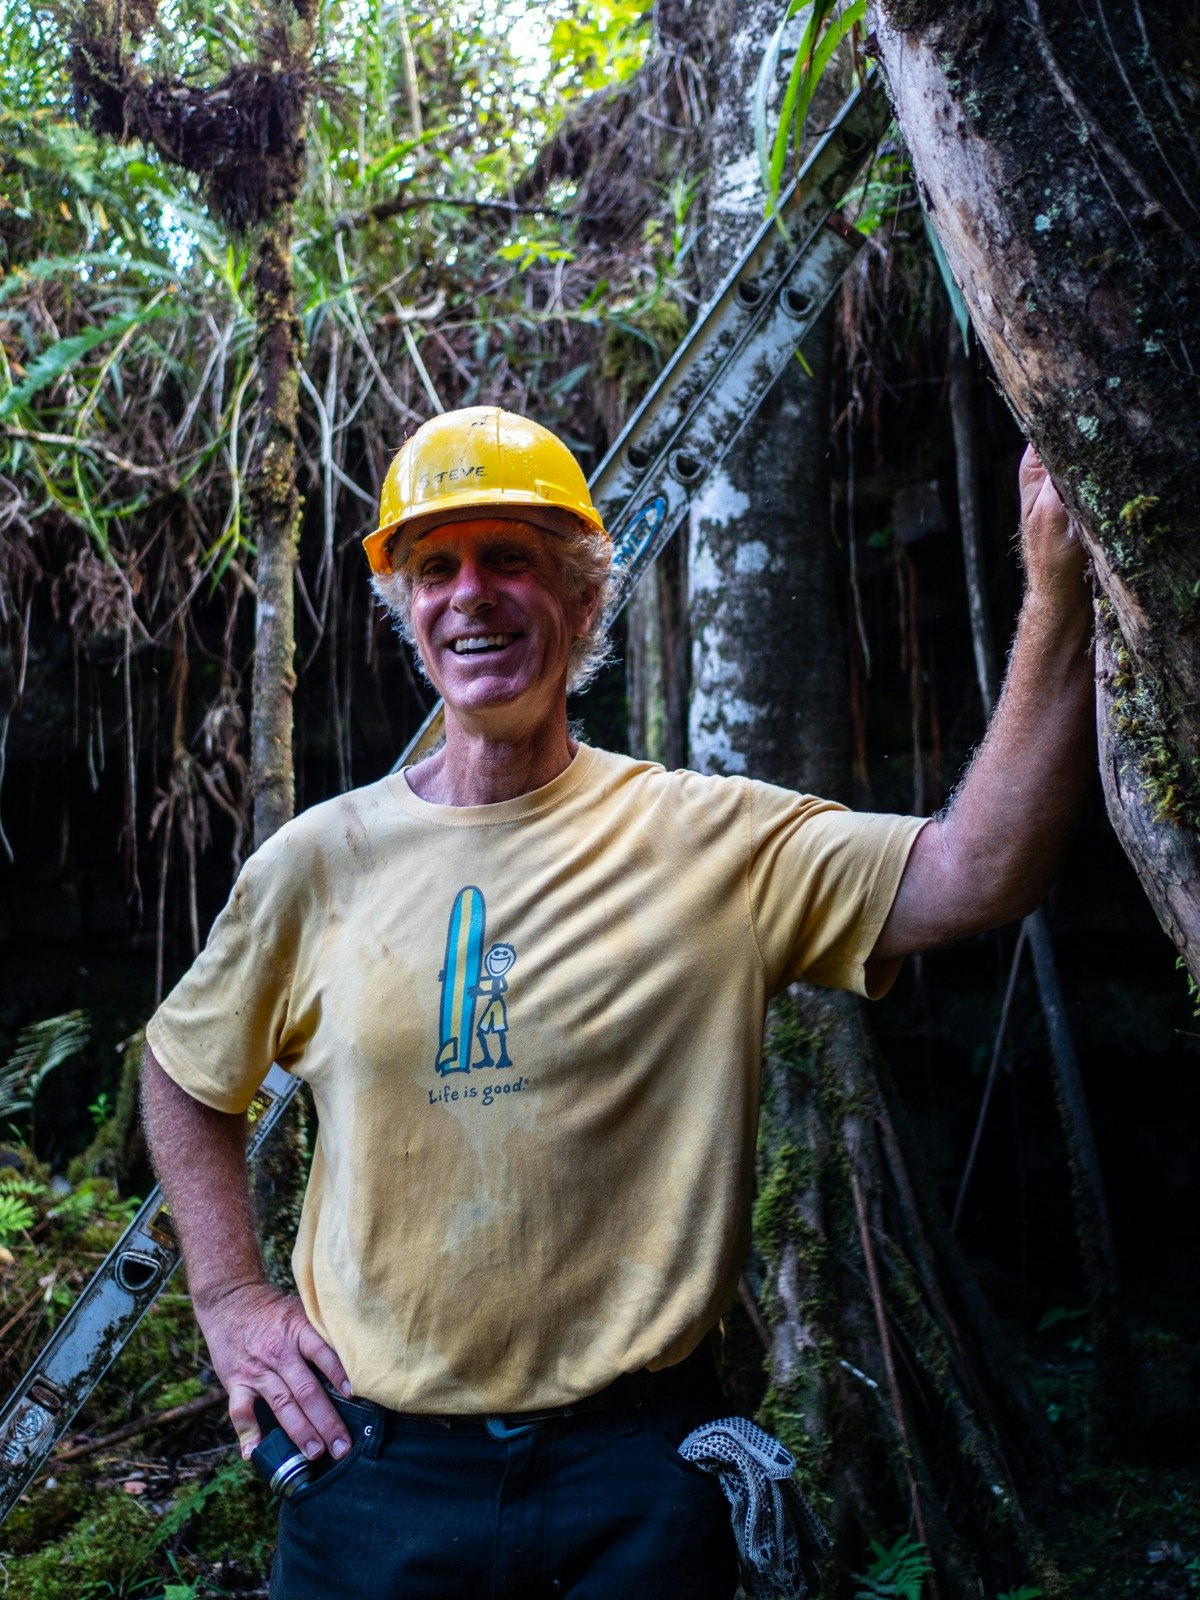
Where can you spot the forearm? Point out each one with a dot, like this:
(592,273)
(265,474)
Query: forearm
(260,1341)
(200,1157)
(1005,828)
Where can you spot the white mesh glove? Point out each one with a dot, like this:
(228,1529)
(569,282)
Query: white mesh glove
(779,1537)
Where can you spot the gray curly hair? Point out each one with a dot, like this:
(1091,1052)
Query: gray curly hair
(586,564)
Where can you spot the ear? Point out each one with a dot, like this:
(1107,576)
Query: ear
(586,606)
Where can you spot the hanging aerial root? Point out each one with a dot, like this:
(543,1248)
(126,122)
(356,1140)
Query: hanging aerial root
(242,137)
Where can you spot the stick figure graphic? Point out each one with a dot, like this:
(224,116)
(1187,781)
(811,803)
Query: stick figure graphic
(494,1021)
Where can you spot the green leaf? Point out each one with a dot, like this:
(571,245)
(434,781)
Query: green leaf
(61,357)
(16,1215)
(530,252)
(797,80)
(896,1572)
(1057,1314)
(393,157)
(824,31)
(953,293)
(41,1047)
(835,32)
(186,1507)
(758,113)
(104,260)
(564,386)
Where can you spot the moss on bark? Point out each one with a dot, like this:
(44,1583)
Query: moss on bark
(1058,161)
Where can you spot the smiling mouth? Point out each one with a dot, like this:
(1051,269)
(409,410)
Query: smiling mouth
(482,643)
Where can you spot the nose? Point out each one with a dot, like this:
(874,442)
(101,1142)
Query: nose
(472,590)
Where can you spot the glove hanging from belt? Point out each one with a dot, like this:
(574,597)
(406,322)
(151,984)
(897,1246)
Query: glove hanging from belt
(779,1537)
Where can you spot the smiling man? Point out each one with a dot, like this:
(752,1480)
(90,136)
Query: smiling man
(526,980)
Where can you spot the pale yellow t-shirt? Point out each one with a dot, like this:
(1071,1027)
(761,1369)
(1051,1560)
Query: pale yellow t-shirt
(532,1031)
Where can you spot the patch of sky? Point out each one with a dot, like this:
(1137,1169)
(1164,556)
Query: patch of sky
(182,244)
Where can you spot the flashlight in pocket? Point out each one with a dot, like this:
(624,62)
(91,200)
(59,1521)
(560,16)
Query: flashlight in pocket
(279,1462)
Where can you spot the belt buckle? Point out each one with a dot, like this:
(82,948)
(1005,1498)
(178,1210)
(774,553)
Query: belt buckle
(499,1429)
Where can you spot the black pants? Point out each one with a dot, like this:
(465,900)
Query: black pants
(598,1506)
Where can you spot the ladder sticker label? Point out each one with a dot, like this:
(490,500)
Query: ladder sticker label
(258,1105)
(643,527)
(161,1228)
(23,1432)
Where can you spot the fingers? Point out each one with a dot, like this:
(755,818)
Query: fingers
(1037,488)
(303,1410)
(262,1345)
(313,1348)
(1031,474)
(245,1425)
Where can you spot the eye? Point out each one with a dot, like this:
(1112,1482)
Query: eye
(433,569)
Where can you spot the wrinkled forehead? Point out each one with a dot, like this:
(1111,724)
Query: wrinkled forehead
(454,532)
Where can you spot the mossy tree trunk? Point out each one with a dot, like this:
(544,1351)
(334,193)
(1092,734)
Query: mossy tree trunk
(280,1170)
(887,1375)
(275,499)
(1057,157)
(244,138)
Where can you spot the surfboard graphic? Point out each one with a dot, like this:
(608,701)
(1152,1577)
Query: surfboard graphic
(459,977)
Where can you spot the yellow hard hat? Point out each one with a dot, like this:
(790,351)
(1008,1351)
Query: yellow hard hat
(467,463)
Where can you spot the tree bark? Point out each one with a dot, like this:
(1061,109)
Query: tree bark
(1056,158)
(275,499)
(875,1326)
(746,565)
(1162,851)
(747,571)
(280,1170)
(244,138)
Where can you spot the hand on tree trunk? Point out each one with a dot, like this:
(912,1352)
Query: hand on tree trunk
(1053,554)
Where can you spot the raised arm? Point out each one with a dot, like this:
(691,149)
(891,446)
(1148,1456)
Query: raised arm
(259,1340)
(990,857)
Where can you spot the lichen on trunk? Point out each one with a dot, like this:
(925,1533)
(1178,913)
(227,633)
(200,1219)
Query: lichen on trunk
(888,1377)
(1057,159)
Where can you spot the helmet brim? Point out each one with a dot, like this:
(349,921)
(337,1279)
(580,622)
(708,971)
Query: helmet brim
(389,546)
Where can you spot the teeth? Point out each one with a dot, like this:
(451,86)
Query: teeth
(490,641)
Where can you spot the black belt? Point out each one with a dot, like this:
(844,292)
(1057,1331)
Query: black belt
(630,1389)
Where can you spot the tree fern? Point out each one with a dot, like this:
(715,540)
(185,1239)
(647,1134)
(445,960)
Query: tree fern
(41,1047)
(897,1572)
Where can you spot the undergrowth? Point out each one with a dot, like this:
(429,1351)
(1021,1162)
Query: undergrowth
(171,1513)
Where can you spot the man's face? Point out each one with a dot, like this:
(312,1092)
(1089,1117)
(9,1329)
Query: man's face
(492,619)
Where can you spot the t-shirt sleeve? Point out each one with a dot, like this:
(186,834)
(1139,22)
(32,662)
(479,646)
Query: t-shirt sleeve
(822,881)
(226,1020)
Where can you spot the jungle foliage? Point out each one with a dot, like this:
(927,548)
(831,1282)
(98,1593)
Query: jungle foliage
(497,204)
(130,406)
